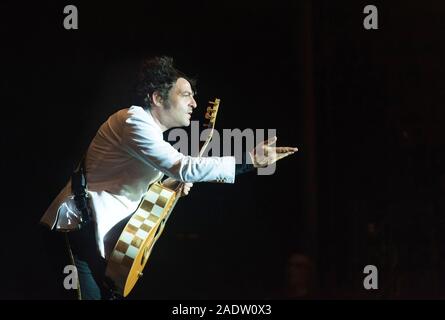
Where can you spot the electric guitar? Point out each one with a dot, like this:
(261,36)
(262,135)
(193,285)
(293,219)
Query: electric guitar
(136,242)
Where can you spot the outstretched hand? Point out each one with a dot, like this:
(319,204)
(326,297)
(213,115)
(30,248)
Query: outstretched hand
(265,154)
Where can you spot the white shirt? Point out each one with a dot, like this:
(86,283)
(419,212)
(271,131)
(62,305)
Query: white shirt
(128,154)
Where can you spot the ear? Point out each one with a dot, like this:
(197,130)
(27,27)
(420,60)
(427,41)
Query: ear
(157,99)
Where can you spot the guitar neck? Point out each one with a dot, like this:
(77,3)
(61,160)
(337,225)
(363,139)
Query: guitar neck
(210,115)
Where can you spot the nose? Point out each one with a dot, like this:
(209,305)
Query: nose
(193,103)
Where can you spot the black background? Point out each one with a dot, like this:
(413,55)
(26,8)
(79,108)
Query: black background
(363,106)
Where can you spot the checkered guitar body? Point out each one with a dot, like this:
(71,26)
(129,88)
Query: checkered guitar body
(132,250)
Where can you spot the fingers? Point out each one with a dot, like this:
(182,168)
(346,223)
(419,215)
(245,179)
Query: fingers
(186,188)
(271,141)
(283,155)
(283,152)
(274,139)
(286,149)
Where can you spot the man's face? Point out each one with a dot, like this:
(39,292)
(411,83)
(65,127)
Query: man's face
(179,105)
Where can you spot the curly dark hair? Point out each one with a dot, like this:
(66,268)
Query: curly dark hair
(158,74)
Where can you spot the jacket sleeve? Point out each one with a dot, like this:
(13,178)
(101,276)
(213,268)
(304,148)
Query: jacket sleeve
(144,141)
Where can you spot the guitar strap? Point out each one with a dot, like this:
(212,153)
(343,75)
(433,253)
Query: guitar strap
(79,190)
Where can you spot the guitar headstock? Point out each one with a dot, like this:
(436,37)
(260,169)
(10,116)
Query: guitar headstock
(211,113)
(210,117)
